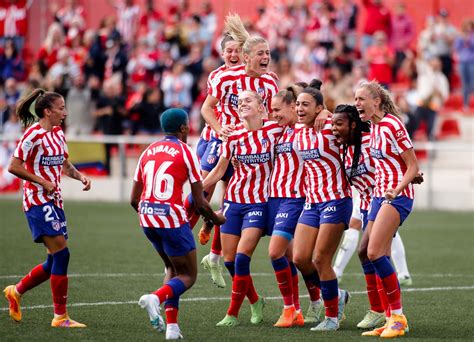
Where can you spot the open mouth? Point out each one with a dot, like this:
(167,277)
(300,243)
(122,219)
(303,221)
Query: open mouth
(234,62)
(264,65)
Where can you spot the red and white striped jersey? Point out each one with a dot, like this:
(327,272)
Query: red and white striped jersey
(363,179)
(44,153)
(254,150)
(227,86)
(388,140)
(287,174)
(325,179)
(163,168)
(207,130)
(127,21)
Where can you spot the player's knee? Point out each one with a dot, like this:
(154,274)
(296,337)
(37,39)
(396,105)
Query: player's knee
(301,262)
(373,254)
(362,252)
(321,261)
(60,262)
(275,253)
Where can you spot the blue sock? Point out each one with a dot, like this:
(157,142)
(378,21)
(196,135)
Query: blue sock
(293,269)
(60,262)
(329,289)
(368,267)
(242,264)
(313,278)
(48,264)
(173,302)
(280,264)
(230,265)
(383,267)
(177,285)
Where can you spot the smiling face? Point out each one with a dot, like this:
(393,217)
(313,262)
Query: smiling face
(258,59)
(249,106)
(365,103)
(283,113)
(341,128)
(232,54)
(307,109)
(57,113)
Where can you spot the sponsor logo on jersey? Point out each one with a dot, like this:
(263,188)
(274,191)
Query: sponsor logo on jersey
(400,134)
(234,100)
(52,160)
(256,213)
(284,148)
(360,170)
(282,215)
(257,158)
(158,209)
(376,153)
(310,154)
(330,209)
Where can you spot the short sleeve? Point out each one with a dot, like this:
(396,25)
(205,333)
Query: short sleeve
(25,147)
(400,138)
(227,148)
(192,164)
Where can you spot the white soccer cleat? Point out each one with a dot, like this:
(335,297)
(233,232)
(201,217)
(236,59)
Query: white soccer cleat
(151,303)
(173,332)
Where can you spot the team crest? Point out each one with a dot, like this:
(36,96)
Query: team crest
(265,143)
(211,159)
(261,91)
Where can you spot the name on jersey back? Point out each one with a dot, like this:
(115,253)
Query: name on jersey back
(162,149)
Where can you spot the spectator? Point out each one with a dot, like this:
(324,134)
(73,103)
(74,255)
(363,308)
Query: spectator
(151,23)
(378,18)
(142,62)
(176,86)
(209,26)
(47,54)
(444,35)
(338,88)
(70,13)
(13,22)
(79,106)
(379,57)
(8,99)
(148,111)
(117,59)
(403,33)
(62,73)
(464,47)
(11,63)
(128,14)
(433,91)
(346,22)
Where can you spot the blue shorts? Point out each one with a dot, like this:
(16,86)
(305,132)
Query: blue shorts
(46,219)
(402,204)
(201,147)
(283,214)
(240,216)
(364,215)
(173,241)
(335,211)
(211,155)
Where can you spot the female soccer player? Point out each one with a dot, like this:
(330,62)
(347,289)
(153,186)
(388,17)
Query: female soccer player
(245,203)
(395,168)
(39,159)
(327,209)
(157,194)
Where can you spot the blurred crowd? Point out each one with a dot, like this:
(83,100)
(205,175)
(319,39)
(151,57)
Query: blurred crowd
(142,60)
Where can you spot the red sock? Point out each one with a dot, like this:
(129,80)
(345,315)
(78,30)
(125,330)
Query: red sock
(36,276)
(171,313)
(313,290)
(216,247)
(252,294)
(164,293)
(392,289)
(296,292)
(383,297)
(331,307)
(240,286)
(285,284)
(59,290)
(373,293)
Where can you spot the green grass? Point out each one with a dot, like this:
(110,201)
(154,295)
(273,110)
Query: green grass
(111,261)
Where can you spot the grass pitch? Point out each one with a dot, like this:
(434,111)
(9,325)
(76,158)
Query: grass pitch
(112,265)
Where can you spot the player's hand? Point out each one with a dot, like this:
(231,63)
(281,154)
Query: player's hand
(220,218)
(321,119)
(225,132)
(49,187)
(391,194)
(87,183)
(235,163)
(273,75)
(418,178)
(205,233)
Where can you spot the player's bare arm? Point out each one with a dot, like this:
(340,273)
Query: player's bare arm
(17,168)
(70,170)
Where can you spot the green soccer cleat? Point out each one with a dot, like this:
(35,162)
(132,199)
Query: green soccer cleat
(257,311)
(326,325)
(341,304)
(371,320)
(216,271)
(315,312)
(228,321)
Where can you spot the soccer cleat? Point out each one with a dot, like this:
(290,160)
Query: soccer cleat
(298,320)
(315,312)
(326,325)
(396,326)
(204,234)
(405,280)
(375,332)
(151,303)
(13,302)
(228,321)
(257,311)
(371,320)
(341,304)
(64,321)
(173,332)
(287,318)
(216,271)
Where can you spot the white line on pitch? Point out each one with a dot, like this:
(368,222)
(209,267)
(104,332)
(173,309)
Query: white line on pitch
(202,299)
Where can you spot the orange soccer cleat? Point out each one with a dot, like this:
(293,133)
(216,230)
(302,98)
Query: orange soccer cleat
(205,234)
(64,321)
(287,318)
(299,319)
(13,302)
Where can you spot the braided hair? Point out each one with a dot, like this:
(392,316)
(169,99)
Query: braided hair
(356,133)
